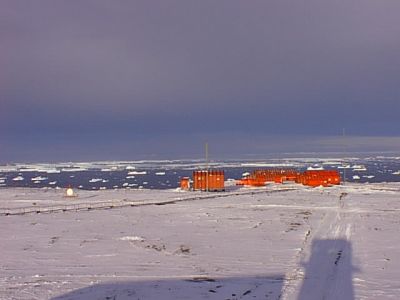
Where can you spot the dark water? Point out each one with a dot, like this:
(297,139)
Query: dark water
(167,174)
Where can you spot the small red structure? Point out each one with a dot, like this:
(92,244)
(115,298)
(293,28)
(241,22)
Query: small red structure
(185,183)
(210,180)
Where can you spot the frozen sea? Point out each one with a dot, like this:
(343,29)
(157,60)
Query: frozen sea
(166,174)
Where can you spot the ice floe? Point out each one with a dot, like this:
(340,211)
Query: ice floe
(263,164)
(315,167)
(331,162)
(359,168)
(28,169)
(344,167)
(52,171)
(93,180)
(137,173)
(74,169)
(39,178)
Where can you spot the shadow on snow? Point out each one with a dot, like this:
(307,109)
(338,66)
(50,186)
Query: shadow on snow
(328,275)
(263,287)
(329,272)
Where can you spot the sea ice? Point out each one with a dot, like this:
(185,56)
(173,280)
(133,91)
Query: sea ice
(137,173)
(315,167)
(39,178)
(93,180)
(359,168)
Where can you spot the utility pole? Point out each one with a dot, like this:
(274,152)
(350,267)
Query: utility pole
(206,149)
(344,155)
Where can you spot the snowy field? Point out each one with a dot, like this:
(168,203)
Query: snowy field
(280,242)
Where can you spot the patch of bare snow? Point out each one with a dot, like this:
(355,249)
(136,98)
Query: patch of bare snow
(132,238)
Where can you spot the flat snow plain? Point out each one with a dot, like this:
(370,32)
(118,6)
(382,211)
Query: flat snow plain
(278,242)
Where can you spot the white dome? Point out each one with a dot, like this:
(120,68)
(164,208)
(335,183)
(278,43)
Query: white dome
(70,192)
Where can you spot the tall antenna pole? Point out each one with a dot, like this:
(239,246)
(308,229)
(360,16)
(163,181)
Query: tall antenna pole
(206,149)
(344,154)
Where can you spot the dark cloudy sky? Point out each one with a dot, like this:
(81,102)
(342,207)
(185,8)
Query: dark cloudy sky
(89,80)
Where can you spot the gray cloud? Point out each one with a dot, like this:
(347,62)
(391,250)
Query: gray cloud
(168,68)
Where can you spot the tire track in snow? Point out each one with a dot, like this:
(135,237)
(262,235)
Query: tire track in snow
(333,257)
(294,277)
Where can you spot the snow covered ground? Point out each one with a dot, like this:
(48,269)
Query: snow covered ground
(280,242)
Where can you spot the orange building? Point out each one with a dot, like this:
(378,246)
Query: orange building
(311,178)
(320,178)
(261,177)
(212,180)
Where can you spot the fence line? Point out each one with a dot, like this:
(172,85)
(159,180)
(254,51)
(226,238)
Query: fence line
(123,203)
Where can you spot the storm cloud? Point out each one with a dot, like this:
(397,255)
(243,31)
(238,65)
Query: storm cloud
(159,78)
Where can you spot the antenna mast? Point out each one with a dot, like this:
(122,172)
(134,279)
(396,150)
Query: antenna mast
(344,154)
(206,150)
